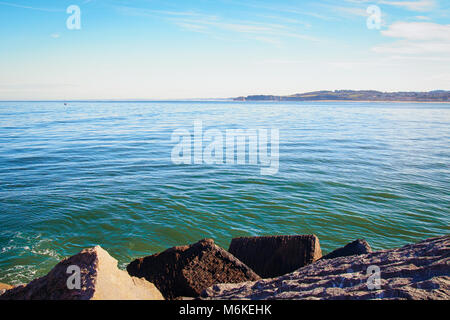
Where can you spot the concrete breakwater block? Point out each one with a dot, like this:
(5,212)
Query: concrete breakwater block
(185,271)
(91,274)
(274,256)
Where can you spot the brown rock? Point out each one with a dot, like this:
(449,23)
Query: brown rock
(100,280)
(187,270)
(276,255)
(418,271)
(358,246)
(4,287)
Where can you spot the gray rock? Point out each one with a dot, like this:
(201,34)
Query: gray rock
(100,279)
(417,271)
(358,246)
(274,256)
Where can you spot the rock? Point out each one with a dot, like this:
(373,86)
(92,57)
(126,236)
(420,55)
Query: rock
(276,255)
(4,287)
(418,271)
(358,246)
(100,279)
(187,270)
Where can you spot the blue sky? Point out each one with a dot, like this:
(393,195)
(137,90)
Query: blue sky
(146,49)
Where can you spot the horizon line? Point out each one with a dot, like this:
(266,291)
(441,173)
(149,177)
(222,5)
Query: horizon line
(202,99)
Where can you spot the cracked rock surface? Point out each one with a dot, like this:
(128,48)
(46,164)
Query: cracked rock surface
(415,271)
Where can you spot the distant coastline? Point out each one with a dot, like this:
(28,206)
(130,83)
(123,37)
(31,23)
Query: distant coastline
(441,96)
(436,96)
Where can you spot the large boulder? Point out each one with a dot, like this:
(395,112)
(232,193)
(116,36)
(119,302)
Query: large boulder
(100,279)
(187,270)
(274,256)
(358,246)
(417,271)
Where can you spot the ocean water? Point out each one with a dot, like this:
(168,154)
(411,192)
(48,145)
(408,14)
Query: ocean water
(93,173)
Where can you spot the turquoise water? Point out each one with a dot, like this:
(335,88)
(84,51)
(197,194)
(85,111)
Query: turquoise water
(101,173)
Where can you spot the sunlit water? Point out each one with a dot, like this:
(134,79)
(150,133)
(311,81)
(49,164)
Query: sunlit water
(76,176)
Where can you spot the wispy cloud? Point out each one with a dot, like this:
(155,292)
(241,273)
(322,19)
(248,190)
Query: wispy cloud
(422,18)
(9,4)
(417,5)
(259,31)
(284,9)
(281,62)
(286,20)
(352,11)
(420,5)
(214,24)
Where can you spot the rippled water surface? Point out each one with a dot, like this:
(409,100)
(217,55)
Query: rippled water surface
(101,173)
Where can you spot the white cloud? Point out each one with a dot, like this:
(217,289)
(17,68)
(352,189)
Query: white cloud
(420,5)
(417,38)
(418,31)
(422,18)
(411,47)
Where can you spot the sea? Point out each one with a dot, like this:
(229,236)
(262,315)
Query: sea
(78,174)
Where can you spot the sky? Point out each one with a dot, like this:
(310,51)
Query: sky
(186,49)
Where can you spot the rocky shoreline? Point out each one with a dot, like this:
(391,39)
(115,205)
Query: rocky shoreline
(253,268)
